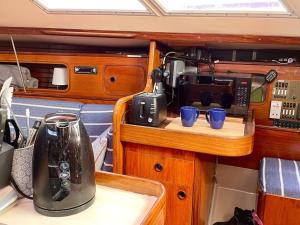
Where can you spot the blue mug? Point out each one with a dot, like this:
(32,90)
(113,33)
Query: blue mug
(189,115)
(215,117)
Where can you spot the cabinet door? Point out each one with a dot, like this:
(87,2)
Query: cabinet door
(174,169)
(179,204)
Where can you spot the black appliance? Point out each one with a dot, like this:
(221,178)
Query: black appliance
(148,109)
(63,166)
(6,153)
(230,91)
(6,159)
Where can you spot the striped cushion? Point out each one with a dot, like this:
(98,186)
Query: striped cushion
(108,159)
(280,177)
(96,118)
(39,108)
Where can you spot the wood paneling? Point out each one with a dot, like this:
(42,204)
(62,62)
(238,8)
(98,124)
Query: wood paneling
(177,167)
(179,171)
(181,39)
(124,80)
(268,140)
(261,110)
(205,167)
(277,210)
(85,86)
(121,108)
(177,174)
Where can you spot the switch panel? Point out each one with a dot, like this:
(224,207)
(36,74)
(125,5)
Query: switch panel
(285,105)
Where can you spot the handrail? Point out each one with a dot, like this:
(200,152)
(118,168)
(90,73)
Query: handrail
(121,107)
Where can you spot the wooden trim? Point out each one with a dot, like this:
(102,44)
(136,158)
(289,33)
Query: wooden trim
(88,34)
(141,186)
(118,117)
(121,107)
(278,210)
(203,188)
(84,86)
(154,62)
(180,38)
(208,144)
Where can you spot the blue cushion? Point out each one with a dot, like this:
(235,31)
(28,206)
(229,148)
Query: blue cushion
(39,108)
(280,177)
(96,118)
(108,159)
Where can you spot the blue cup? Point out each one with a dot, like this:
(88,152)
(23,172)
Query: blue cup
(215,117)
(189,115)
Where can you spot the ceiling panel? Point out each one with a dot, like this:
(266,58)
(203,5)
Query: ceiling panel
(23,13)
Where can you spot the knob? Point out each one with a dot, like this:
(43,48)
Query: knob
(158,167)
(112,79)
(181,195)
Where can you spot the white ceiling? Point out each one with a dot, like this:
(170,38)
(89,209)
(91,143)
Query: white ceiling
(24,13)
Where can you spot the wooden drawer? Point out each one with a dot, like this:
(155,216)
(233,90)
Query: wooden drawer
(168,166)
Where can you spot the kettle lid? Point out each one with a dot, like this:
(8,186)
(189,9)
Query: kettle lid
(61,119)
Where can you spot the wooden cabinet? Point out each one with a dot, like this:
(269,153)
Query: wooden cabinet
(182,160)
(174,169)
(122,80)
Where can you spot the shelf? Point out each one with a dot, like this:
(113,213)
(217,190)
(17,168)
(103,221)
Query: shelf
(208,143)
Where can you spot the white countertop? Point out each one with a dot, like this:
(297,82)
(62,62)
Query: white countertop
(111,207)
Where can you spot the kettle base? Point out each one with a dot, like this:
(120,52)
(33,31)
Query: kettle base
(64,212)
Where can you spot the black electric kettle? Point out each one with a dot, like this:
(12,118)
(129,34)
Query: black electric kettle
(63,166)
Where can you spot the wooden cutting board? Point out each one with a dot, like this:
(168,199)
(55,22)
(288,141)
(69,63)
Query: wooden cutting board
(233,127)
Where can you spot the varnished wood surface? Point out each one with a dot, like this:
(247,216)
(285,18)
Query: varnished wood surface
(233,127)
(269,142)
(180,171)
(277,210)
(90,86)
(285,72)
(122,80)
(142,186)
(205,167)
(176,175)
(181,39)
(189,141)
(122,106)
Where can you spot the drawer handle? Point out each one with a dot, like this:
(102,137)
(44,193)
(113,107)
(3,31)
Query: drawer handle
(112,79)
(181,195)
(158,167)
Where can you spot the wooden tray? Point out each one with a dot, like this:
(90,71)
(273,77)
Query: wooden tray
(211,141)
(119,200)
(233,127)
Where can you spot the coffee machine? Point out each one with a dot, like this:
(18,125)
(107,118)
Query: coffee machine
(63,166)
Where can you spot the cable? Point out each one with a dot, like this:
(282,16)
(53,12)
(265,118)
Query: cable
(18,64)
(168,53)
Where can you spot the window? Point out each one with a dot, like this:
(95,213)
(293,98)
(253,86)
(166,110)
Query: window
(222,6)
(93,6)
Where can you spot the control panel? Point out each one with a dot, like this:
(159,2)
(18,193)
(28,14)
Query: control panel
(285,105)
(242,95)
